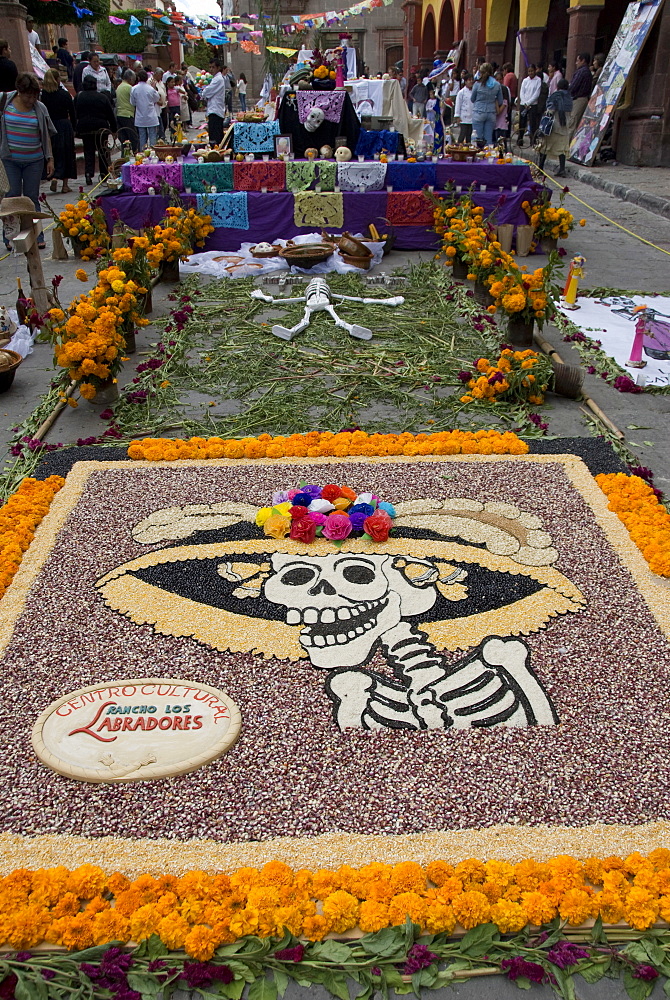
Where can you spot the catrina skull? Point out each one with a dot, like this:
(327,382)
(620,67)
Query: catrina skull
(342,154)
(314,119)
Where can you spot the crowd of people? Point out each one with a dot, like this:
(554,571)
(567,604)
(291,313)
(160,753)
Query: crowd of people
(81,98)
(487,105)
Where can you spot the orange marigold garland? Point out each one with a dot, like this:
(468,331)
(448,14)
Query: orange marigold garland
(327,444)
(647,520)
(200,912)
(19,518)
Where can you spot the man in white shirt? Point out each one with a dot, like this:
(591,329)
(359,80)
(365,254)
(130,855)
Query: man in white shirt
(156,79)
(32,34)
(145,99)
(529,96)
(215,95)
(463,109)
(99,73)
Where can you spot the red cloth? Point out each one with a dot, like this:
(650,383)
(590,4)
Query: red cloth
(270,174)
(408,208)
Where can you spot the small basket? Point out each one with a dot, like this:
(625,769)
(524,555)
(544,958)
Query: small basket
(7,374)
(260,254)
(306,254)
(162,152)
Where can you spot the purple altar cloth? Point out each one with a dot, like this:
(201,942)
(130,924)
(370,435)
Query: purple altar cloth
(271,216)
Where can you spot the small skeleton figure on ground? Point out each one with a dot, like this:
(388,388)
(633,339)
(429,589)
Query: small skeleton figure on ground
(319,298)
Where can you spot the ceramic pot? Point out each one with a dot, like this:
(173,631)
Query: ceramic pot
(107,393)
(548,244)
(129,337)
(520,332)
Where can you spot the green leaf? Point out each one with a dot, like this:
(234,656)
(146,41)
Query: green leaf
(263,989)
(331,951)
(30,989)
(232,990)
(637,989)
(336,984)
(593,972)
(666,987)
(230,949)
(654,952)
(93,954)
(155,947)
(393,977)
(649,444)
(384,943)
(281,981)
(144,983)
(241,971)
(523,983)
(478,940)
(597,930)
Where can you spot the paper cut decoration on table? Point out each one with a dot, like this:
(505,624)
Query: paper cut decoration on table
(319,298)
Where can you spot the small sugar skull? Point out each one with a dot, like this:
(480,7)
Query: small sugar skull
(314,119)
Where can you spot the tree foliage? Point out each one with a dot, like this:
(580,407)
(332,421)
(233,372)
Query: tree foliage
(64,12)
(117,38)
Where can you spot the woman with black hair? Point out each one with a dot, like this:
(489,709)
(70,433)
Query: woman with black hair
(95,121)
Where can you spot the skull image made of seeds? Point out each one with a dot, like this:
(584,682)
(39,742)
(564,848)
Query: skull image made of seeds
(314,119)
(343,600)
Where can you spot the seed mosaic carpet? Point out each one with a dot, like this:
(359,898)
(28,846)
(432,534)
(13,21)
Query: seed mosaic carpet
(501,661)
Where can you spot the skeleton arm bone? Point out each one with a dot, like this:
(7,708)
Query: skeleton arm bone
(397,300)
(262,297)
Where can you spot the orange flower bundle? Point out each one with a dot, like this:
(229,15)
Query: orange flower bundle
(19,518)
(85,227)
(327,444)
(200,912)
(517,376)
(177,236)
(647,520)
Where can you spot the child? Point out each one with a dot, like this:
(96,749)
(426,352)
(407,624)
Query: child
(432,106)
(242,91)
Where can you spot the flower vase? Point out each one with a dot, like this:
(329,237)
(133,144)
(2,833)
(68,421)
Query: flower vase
(520,331)
(169,271)
(482,294)
(524,238)
(505,234)
(460,268)
(548,244)
(129,337)
(76,249)
(146,303)
(108,392)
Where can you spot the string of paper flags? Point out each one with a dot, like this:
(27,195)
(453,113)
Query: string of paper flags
(245,33)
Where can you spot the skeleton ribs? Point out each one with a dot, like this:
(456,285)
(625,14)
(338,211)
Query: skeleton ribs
(349,605)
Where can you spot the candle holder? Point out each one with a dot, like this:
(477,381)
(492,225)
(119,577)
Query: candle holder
(264,190)
(336,188)
(317,188)
(266,157)
(389,188)
(361,159)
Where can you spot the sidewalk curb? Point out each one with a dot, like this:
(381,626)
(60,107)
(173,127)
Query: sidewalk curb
(592,177)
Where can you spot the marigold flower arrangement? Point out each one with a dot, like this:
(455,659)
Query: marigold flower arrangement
(19,518)
(84,226)
(177,236)
(199,912)
(334,512)
(517,376)
(317,444)
(88,337)
(647,520)
(460,224)
(549,221)
(524,296)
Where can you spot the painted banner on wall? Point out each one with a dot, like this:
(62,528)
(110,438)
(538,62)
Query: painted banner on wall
(627,46)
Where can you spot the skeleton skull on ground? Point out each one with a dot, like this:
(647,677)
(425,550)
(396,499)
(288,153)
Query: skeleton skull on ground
(314,119)
(346,601)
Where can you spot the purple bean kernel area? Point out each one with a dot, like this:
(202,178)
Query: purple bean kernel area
(606,669)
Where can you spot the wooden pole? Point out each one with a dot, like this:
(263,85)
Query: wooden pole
(26,242)
(43,429)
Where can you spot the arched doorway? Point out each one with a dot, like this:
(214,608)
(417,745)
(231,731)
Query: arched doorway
(428,37)
(512,29)
(393,57)
(445,35)
(556,35)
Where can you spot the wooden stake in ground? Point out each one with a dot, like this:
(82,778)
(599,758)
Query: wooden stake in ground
(59,252)
(21,225)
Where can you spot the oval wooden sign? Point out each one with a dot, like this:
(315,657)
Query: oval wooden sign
(135,730)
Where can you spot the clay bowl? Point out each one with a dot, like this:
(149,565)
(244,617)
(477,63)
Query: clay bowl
(350,245)
(7,374)
(306,254)
(357,261)
(260,254)
(163,151)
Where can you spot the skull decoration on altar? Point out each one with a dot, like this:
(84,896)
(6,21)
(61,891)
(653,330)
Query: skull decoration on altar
(342,154)
(314,119)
